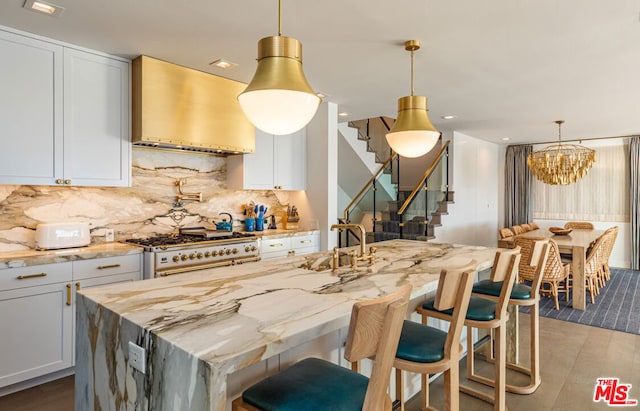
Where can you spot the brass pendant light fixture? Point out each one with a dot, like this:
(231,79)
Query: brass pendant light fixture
(412,135)
(279,100)
(561,164)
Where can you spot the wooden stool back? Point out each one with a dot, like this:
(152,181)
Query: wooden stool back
(374,331)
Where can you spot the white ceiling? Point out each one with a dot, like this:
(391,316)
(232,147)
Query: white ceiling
(505,68)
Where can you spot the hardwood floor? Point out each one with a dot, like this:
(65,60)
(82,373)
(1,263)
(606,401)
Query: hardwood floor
(572,357)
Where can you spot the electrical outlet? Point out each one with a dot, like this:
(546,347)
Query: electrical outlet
(109,235)
(137,357)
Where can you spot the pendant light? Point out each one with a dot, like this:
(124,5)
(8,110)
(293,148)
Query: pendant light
(279,100)
(412,135)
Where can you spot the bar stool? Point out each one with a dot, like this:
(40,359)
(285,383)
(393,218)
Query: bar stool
(314,384)
(534,257)
(427,350)
(490,315)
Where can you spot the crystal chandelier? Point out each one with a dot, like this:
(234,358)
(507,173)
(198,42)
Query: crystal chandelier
(561,163)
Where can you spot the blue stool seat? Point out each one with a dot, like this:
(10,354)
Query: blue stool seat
(311,384)
(421,343)
(488,287)
(480,309)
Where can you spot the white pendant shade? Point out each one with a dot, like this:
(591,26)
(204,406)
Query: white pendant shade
(412,143)
(279,112)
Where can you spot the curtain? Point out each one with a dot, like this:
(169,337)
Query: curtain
(601,195)
(518,184)
(634,184)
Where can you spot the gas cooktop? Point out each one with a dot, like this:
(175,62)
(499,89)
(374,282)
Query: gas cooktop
(183,239)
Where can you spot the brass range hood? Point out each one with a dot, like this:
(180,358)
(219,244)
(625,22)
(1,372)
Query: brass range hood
(180,108)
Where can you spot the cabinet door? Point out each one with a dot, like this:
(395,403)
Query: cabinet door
(36,332)
(290,161)
(96,120)
(258,166)
(30,110)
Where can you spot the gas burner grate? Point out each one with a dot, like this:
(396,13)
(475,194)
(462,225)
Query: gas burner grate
(177,239)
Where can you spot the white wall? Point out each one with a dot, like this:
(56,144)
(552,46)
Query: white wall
(473,218)
(319,201)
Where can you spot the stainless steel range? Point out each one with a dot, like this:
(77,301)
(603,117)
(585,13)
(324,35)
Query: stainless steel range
(195,249)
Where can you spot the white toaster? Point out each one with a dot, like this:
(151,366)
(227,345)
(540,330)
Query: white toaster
(50,236)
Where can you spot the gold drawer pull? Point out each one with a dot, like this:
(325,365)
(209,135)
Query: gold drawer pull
(276,245)
(102,267)
(24,277)
(68,294)
(304,241)
(77,286)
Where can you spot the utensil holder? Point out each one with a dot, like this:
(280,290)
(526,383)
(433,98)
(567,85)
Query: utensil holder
(260,224)
(250,224)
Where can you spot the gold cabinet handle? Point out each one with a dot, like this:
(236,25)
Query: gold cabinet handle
(103,267)
(24,277)
(304,241)
(77,286)
(59,181)
(67,181)
(276,245)
(68,294)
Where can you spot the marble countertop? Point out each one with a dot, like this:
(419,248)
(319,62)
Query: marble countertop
(232,317)
(31,257)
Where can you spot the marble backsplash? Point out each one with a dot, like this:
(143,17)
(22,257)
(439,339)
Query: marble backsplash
(146,208)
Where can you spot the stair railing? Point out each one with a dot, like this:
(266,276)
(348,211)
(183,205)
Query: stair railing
(370,185)
(440,192)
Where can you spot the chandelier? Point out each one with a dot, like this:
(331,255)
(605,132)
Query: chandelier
(561,163)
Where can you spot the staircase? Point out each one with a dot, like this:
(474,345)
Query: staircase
(380,206)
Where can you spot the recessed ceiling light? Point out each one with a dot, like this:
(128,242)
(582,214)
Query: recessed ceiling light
(223,64)
(449,117)
(43,7)
(505,139)
(343,114)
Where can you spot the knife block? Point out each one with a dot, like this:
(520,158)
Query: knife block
(290,223)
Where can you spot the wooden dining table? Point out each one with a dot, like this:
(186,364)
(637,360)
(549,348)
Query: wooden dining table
(575,243)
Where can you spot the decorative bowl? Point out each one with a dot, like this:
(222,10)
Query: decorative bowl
(560,230)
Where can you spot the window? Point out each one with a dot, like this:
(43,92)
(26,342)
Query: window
(601,195)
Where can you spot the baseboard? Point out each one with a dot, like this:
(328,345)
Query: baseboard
(23,385)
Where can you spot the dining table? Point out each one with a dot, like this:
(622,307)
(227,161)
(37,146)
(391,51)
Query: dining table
(576,243)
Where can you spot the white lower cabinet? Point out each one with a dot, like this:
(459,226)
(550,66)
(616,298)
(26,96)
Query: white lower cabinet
(36,317)
(37,312)
(284,246)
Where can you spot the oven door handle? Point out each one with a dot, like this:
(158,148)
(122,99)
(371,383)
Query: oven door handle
(165,273)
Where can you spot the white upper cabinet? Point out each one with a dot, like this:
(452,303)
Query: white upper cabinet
(30,110)
(279,163)
(65,118)
(96,120)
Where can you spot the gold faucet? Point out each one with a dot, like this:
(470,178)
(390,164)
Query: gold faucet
(354,258)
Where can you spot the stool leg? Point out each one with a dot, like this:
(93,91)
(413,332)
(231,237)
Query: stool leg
(399,388)
(470,353)
(452,387)
(424,378)
(500,369)
(535,344)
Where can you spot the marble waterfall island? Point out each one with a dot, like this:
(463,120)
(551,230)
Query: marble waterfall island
(197,328)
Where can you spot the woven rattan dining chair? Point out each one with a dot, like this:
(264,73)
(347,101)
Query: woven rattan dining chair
(556,275)
(427,350)
(505,233)
(593,266)
(612,235)
(315,384)
(533,225)
(526,227)
(517,229)
(580,225)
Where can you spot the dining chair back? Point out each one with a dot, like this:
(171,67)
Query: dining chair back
(580,225)
(526,227)
(517,229)
(374,331)
(612,235)
(533,225)
(505,232)
(556,274)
